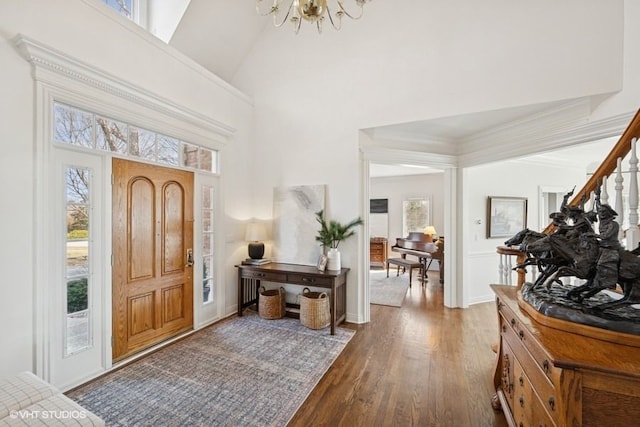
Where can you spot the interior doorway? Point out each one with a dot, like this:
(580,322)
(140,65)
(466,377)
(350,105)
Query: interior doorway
(413,199)
(152,244)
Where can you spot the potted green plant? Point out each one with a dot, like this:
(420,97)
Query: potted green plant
(330,235)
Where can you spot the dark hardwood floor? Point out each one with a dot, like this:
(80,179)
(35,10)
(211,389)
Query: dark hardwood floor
(418,365)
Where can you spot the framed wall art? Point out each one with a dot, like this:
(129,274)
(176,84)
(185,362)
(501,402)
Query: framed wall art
(295,225)
(505,216)
(379,218)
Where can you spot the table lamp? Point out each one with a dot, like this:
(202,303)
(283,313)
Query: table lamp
(254,235)
(430,231)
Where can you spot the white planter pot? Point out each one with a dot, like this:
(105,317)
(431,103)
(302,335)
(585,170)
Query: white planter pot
(333,260)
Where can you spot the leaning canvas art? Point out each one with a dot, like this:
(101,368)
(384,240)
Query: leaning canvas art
(295,225)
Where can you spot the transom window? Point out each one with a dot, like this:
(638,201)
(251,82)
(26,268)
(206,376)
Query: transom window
(92,131)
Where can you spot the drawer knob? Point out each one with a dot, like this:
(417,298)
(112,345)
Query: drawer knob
(504,328)
(521,400)
(513,322)
(521,380)
(521,334)
(552,403)
(545,366)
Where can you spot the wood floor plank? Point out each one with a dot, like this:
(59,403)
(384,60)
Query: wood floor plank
(418,365)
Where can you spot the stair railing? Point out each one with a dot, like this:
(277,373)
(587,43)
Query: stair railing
(605,172)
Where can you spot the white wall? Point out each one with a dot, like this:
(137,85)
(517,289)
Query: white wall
(400,188)
(163,17)
(511,179)
(627,98)
(312,94)
(89,31)
(413,60)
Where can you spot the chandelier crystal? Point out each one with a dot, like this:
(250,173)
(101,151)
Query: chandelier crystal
(314,11)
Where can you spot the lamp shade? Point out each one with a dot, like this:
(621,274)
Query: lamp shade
(430,230)
(255,232)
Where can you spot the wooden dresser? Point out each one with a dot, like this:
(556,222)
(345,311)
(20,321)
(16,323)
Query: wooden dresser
(546,376)
(378,252)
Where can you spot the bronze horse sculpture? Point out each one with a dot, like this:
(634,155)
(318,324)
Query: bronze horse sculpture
(578,257)
(574,257)
(541,257)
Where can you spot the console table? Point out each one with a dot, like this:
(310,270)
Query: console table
(250,276)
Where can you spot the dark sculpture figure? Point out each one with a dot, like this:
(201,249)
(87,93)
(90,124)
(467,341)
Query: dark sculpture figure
(574,249)
(573,257)
(607,268)
(540,257)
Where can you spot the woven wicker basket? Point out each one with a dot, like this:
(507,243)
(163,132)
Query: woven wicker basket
(272,303)
(314,309)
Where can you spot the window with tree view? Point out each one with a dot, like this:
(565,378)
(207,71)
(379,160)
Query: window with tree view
(78,208)
(416,215)
(91,131)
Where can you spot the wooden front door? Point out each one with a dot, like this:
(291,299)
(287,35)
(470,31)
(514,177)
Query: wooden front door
(152,258)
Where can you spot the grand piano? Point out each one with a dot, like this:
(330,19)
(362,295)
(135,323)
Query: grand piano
(419,245)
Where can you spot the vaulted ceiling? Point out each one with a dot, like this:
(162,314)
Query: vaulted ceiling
(219,34)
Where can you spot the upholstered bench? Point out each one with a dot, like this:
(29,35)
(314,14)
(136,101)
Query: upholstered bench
(27,400)
(404,263)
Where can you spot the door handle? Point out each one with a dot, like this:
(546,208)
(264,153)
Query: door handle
(189,258)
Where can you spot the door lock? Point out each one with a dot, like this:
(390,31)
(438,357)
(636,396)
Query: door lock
(189,258)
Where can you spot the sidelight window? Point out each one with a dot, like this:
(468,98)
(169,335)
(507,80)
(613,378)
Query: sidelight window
(207,244)
(77,271)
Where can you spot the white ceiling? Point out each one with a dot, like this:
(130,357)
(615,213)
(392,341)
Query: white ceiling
(218,34)
(461,127)
(587,156)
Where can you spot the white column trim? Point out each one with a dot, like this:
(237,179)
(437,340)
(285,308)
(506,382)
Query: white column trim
(364,262)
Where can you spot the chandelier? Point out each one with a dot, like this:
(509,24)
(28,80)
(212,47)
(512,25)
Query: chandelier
(313,11)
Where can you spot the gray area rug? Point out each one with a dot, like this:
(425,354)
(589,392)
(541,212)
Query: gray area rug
(388,291)
(244,371)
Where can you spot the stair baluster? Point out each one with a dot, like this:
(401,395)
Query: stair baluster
(633,233)
(619,202)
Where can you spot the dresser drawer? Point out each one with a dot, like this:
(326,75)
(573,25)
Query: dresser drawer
(539,415)
(264,275)
(542,359)
(544,386)
(309,280)
(522,396)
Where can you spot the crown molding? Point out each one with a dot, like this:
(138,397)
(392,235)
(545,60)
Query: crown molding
(395,156)
(47,60)
(540,136)
(550,161)
(557,116)
(410,137)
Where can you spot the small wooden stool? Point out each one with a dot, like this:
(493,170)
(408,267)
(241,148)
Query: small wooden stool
(404,263)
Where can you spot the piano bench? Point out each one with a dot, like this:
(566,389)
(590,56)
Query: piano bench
(404,263)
